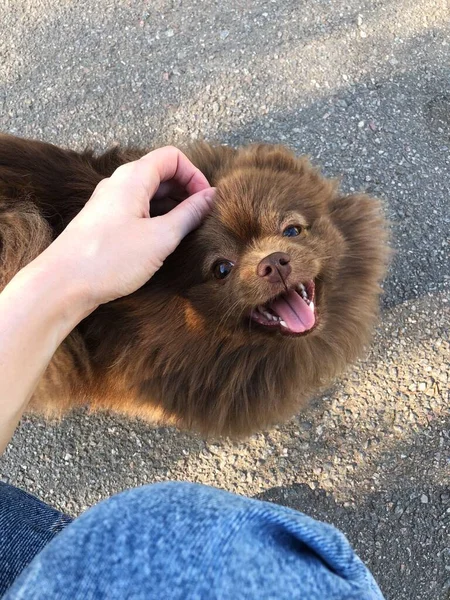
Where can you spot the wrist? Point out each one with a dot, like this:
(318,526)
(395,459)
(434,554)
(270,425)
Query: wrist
(49,286)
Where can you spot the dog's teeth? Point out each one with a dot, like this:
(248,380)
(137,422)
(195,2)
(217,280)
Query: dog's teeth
(302,291)
(264,313)
(311,306)
(283,323)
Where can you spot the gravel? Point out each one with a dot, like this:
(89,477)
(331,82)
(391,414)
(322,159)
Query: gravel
(363,87)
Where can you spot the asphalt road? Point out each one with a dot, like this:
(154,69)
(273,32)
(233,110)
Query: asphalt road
(364,88)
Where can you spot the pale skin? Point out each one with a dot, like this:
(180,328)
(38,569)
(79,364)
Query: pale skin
(109,250)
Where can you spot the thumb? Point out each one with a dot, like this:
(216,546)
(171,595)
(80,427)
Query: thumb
(189,213)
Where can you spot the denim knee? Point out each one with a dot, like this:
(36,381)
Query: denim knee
(188,541)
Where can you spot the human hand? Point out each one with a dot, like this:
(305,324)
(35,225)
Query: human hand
(113,246)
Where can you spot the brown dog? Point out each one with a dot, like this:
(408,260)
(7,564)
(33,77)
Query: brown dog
(255,311)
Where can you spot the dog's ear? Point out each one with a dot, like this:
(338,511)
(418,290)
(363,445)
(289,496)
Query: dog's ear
(267,156)
(361,220)
(212,161)
(313,187)
(311,184)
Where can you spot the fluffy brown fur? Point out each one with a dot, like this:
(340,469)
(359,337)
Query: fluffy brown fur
(183,350)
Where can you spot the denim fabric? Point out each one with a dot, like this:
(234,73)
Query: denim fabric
(26,526)
(186,541)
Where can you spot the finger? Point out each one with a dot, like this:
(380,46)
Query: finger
(188,215)
(171,164)
(141,178)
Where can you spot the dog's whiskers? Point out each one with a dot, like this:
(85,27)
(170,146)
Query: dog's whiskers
(226,315)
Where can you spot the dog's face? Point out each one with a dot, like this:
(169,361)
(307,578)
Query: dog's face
(263,260)
(266,301)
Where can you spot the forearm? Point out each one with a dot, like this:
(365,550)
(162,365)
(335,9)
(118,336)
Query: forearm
(38,309)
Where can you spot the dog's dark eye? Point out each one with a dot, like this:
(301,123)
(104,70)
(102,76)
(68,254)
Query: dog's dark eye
(292,231)
(222,269)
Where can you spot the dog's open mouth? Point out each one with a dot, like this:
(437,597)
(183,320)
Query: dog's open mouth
(292,312)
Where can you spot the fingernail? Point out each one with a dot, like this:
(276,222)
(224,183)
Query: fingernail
(210,194)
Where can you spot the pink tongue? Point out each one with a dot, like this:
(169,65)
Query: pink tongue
(294,311)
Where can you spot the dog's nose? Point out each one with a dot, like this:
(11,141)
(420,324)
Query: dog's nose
(275,267)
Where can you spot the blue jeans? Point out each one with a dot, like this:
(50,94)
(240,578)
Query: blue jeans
(174,541)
